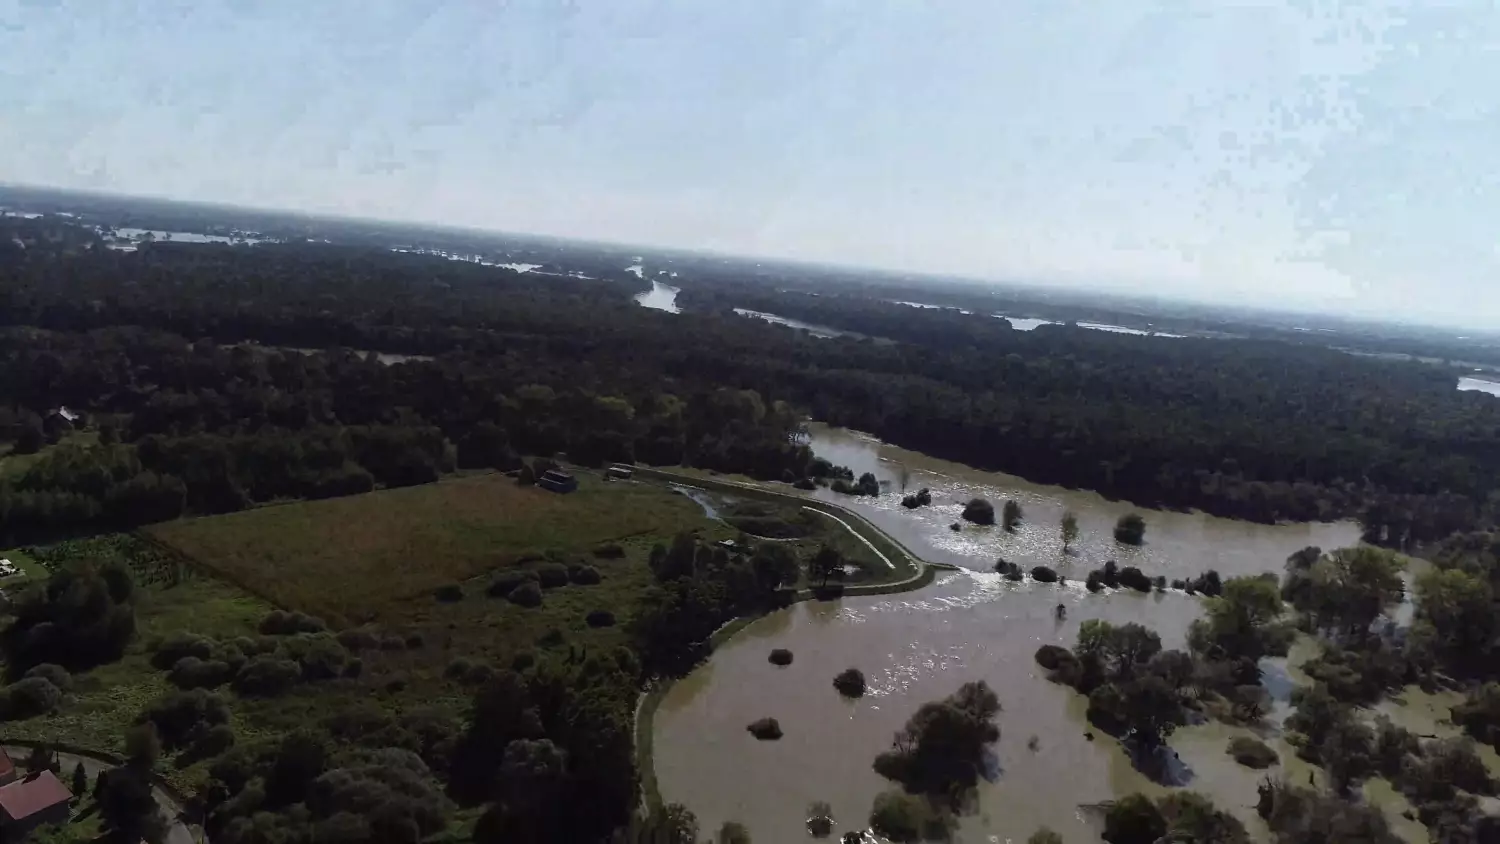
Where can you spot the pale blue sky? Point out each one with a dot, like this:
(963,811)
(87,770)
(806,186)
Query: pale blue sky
(1298,153)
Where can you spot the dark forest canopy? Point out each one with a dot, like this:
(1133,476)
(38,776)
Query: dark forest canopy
(1254,429)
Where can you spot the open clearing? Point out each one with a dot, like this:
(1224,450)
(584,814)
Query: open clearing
(351,559)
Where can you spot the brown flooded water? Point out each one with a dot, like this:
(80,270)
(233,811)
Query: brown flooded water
(918,646)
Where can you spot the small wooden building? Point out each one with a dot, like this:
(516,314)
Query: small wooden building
(619,473)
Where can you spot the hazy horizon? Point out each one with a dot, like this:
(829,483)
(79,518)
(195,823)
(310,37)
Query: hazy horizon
(1277,158)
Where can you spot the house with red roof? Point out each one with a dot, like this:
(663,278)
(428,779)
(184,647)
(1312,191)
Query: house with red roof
(38,800)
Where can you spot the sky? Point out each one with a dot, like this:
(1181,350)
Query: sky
(1319,155)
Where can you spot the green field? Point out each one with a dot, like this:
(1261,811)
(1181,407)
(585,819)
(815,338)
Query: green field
(352,560)
(344,558)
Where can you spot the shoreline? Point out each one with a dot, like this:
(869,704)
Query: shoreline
(646,706)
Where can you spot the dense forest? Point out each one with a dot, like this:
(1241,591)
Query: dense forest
(198,359)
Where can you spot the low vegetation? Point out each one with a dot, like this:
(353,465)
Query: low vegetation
(1252,753)
(850,682)
(1130,529)
(765,729)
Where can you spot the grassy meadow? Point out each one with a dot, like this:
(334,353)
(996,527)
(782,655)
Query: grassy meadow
(354,560)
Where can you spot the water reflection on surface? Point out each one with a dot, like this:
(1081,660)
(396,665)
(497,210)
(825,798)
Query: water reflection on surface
(918,646)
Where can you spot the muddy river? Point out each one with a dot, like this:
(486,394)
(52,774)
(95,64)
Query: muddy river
(918,646)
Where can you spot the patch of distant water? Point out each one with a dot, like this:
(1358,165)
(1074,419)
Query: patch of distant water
(661,297)
(1478,385)
(815,330)
(1031,324)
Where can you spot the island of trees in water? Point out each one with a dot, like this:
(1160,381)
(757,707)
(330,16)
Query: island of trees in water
(183,380)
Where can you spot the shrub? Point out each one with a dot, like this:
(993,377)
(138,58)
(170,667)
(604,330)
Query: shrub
(552,638)
(1134,820)
(903,817)
(522,661)
(1010,515)
(1052,656)
(507,582)
(781,656)
(215,741)
(177,716)
(267,676)
(190,672)
(921,498)
(1130,529)
(806,484)
(583,575)
(609,551)
(323,660)
(1095,581)
(179,645)
(1252,753)
(355,668)
(766,729)
(1043,574)
(359,639)
(414,641)
(600,618)
(28,698)
(1132,577)
(526,595)
(449,593)
(52,673)
(465,670)
(282,623)
(979,511)
(552,575)
(850,682)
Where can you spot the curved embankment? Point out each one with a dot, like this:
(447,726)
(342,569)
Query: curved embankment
(919,573)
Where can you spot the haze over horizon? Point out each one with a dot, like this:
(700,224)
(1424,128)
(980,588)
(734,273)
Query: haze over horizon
(1334,156)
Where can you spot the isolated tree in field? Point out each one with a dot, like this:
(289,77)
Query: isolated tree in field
(1011,515)
(1069,529)
(1130,529)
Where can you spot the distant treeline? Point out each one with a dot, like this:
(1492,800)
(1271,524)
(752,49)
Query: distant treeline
(1257,430)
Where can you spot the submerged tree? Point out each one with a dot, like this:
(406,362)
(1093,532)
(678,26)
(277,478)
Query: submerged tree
(940,752)
(1011,515)
(1130,529)
(979,511)
(1069,529)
